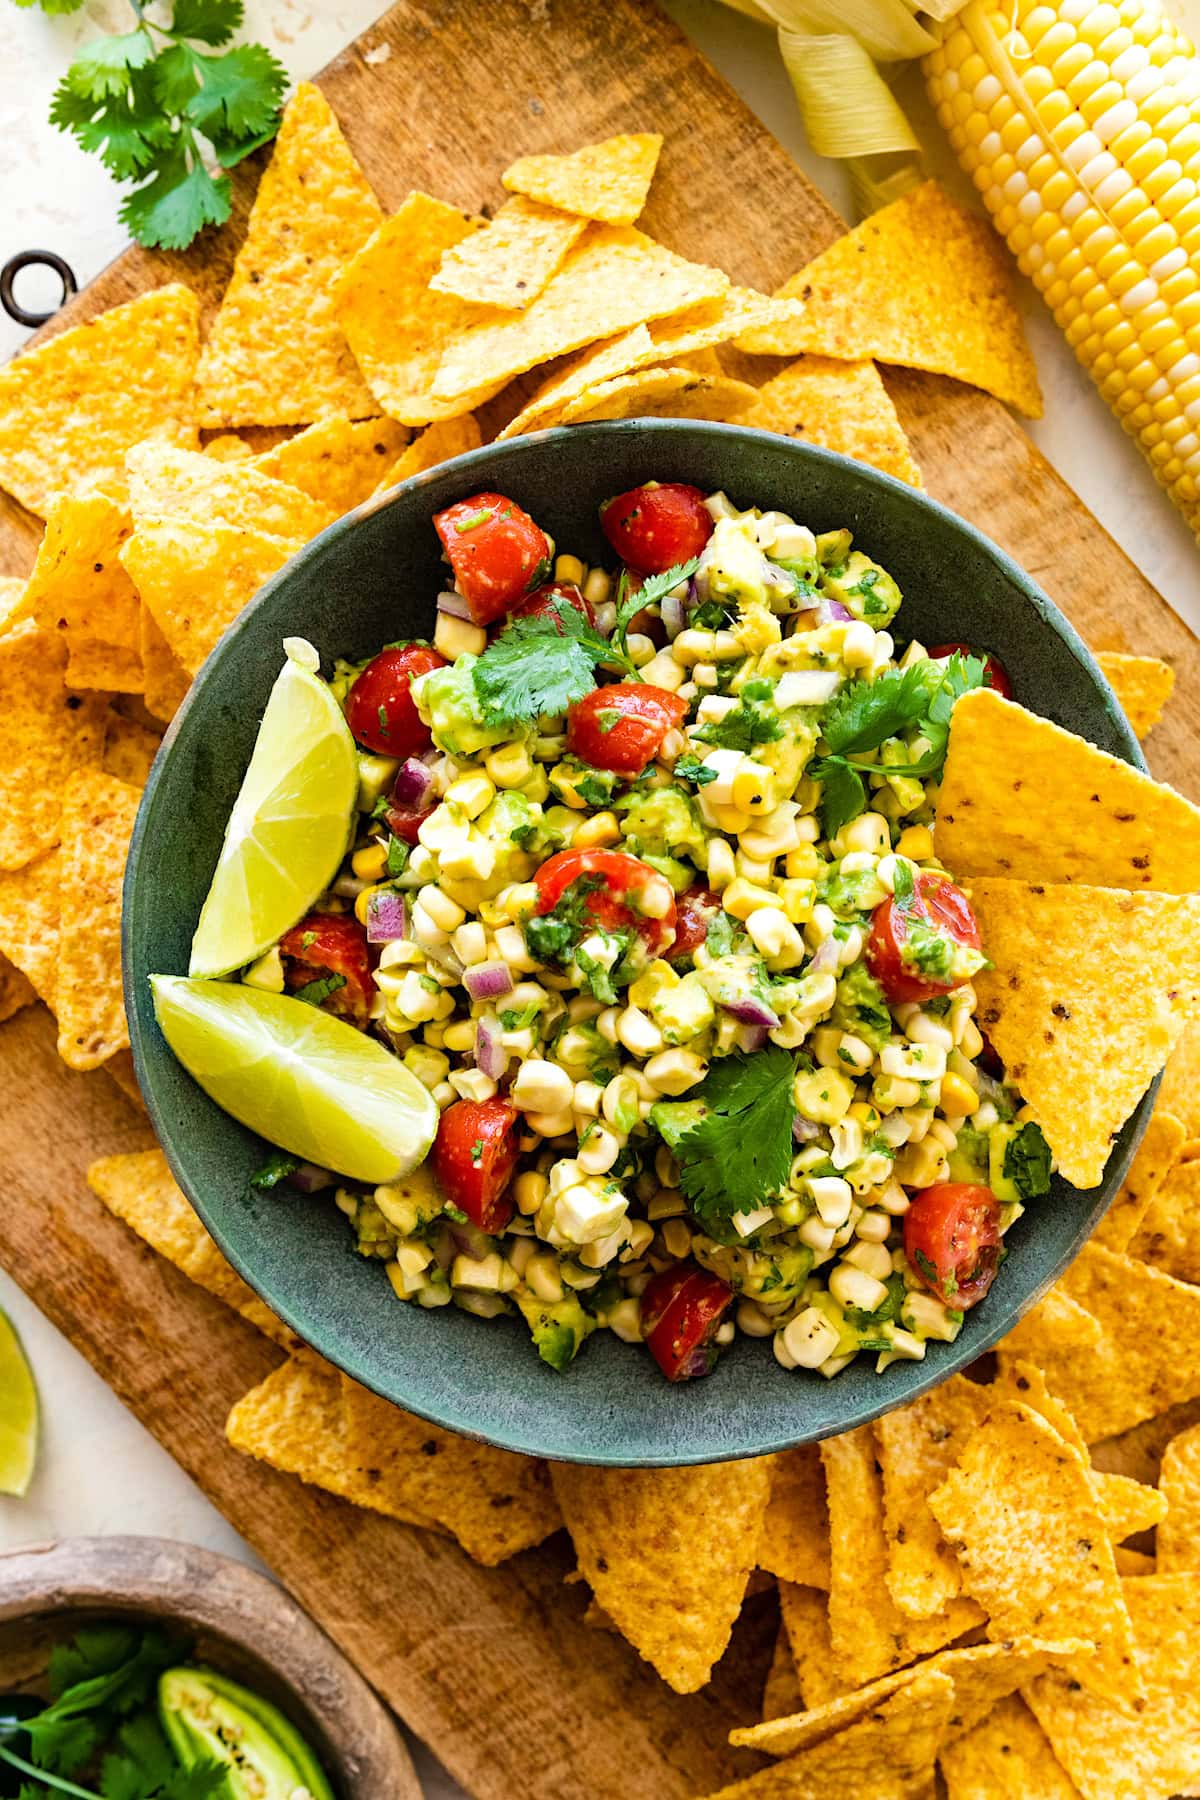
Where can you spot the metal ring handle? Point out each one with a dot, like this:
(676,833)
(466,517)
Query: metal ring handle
(24,260)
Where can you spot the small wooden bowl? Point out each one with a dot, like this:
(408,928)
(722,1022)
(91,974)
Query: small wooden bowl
(242,1624)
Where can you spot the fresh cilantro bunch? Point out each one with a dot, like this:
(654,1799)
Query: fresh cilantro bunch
(157,105)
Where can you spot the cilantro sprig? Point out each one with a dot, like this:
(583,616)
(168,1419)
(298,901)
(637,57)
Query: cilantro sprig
(740,1151)
(542,664)
(162,103)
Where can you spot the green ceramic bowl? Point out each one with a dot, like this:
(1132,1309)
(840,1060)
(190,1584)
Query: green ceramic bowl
(373,577)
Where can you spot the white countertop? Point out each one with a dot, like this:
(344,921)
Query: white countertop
(100,1471)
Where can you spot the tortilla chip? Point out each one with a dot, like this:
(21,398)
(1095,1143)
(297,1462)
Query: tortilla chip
(1109,1756)
(805,1615)
(917,1446)
(13,603)
(841,406)
(868,1633)
(16,989)
(387,282)
(1156,1154)
(165,483)
(276,354)
(296,1421)
(80,589)
(781,1691)
(29,922)
(614,278)
(510,261)
(196,579)
(922,283)
(607,181)
(141,1190)
(1084,978)
(1180,1090)
(1142,684)
(437,444)
(337,462)
(1139,1451)
(1132,1562)
(1021,797)
(71,407)
(795,1537)
(129,749)
(667,1553)
(596,364)
(166,679)
(1025,1383)
(1178,1543)
(1006,1757)
(97,823)
(1021,1512)
(46,732)
(1054,1328)
(496,1504)
(630,395)
(1170,1232)
(718,397)
(229,447)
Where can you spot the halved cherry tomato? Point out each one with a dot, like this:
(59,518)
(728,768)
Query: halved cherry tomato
(540,605)
(937,903)
(681,1312)
(994,670)
(380,710)
(952,1241)
(406,825)
(474,1155)
(622,727)
(496,551)
(620,882)
(694,913)
(655,526)
(331,944)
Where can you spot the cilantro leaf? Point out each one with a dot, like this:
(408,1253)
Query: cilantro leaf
(748,724)
(177,204)
(239,92)
(740,1151)
(540,664)
(53,8)
(962,674)
(862,714)
(278,1166)
(115,129)
(1027,1162)
(207,21)
(843,796)
(104,66)
(96,1650)
(653,589)
(206,1781)
(61,1745)
(690,768)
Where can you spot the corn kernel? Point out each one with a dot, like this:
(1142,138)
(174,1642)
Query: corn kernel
(565,780)
(741,898)
(460,1036)
(597,586)
(958,1097)
(720,866)
(474,793)
(570,569)
(753,788)
(458,637)
(915,842)
(509,765)
(798,899)
(369,864)
(803,864)
(598,831)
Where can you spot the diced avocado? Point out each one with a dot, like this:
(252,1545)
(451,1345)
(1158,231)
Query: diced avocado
(375,774)
(680,875)
(780,1275)
(447,701)
(516,828)
(664,822)
(847,895)
(833,547)
(868,591)
(410,1201)
(1001,1184)
(682,1012)
(969,1159)
(735,566)
(860,1008)
(209,1719)
(673,1119)
(789,754)
(559,1327)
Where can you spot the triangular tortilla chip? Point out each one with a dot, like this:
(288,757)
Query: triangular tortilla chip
(1180,1090)
(1132,1562)
(1156,1755)
(166,679)
(388,282)
(337,462)
(1161,1143)
(614,278)
(510,261)
(97,823)
(276,355)
(80,589)
(1178,1543)
(634,394)
(805,1615)
(16,989)
(1169,1235)
(196,579)
(597,363)
(607,181)
(667,1553)
(1021,1513)
(13,605)
(1143,685)
(869,1635)
(436,444)
(165,483)
(1084,978)
(29,922)
(917,1446)
(841,406)
(229,447)
(496,1504)
(1006,1757)
(1021,797)
(1055,1327)
(129,749)
(71,407)
(922,283)
(46,732)
(1138,1452)
(795,1538)
(781,1690)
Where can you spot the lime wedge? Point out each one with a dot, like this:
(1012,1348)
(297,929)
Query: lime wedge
(298,1076)
(290,823)
(18,1413)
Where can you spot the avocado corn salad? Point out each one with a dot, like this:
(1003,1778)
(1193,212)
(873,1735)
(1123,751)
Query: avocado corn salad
(644,892)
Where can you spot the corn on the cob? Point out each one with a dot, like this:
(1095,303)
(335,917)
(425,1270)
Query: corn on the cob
(1079,123)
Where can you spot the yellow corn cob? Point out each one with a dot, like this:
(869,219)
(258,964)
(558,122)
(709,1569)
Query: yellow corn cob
(1079,123)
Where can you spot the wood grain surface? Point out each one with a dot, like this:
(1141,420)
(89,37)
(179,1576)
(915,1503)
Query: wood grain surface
(494,1668)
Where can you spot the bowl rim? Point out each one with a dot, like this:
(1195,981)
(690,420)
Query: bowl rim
(493,457)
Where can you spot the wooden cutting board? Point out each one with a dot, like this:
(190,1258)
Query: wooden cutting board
(494,1669)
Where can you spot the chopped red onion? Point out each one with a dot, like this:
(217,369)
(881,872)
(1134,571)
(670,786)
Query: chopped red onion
(468,1240)
(454,605)
(487,981)
(833,612)
(310,1178)
(387,917)
(673,615)
(826,958)
(752,1011)
(411,788)
(491,1058)
(751,1038)
(804,1131)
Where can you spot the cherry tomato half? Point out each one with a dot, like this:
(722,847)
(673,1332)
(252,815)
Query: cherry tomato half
(406,825)
(380,710)
(325,944)
(540,604)
(655,526)
(994,670)
(952,1241)
(937,904)
(474,1155)
(681,1312)
(623,882)
(622,727)
(694,913)
(496,551)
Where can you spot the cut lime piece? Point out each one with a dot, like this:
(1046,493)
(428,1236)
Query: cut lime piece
(290,823)
(18,1413)
(298,1076)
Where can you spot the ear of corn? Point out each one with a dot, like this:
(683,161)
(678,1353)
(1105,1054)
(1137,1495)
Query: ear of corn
(1079,124)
